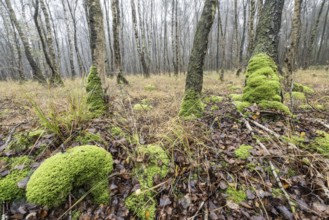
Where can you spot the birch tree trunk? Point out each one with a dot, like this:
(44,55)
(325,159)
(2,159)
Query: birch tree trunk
(140,48)
(55,78)
(116,42)
(192,106)
(36,72)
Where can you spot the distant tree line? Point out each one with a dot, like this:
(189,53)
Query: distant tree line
(45,39)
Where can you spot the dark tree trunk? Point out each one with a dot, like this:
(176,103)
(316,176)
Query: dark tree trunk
(191,106)
(116,42)
(268,28)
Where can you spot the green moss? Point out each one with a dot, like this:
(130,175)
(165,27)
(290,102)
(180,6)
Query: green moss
(80,166)
(191,106)
(236,97)
(213,99)
(234,88)
(142,107)
(243,152)
(240,106)
(117,131)
(24,140)
(18,170)
(274,105)
(322,143)
(142,202)
(297,87)
(88,137)
(277,193)
(235,195)
(214,108)
(150,87)
(95,94)
(263,85)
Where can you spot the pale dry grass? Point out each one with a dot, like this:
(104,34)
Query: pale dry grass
(165,99)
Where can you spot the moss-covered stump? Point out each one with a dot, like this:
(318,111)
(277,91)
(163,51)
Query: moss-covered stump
(95,94)
(191,106)
(263,85)
(18,169)
(80,166)
(142,202)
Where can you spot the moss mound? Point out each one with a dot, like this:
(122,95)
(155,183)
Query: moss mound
(192,106)
(142,202)
(213,99)
(18,170)
(263,85)
(95,94)
(86,166)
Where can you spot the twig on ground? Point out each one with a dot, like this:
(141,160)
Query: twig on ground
(10,136)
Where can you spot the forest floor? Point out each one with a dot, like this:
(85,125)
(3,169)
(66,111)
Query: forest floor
(285,175)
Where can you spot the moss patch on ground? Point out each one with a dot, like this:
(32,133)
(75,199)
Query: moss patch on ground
(19,168)
(191,106)
(80,166)
(297,87)
(142,202)
(213,99)
(235,195)
(243,152)
(88,137)
(95,94)
(322,143)
(24,140)
(263,85)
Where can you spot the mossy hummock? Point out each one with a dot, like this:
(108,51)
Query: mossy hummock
(263,85)
(80,166)
(142,202)
(192,106)
(95,94)
(19,168)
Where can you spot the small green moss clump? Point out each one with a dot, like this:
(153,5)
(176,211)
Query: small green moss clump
(240,105)
(213,99)
(150,87)
(263,85)
(88,137)
(322,143)
(117,132)
(142,202)
(191,106)
(80,166)
(297,87)
(235,195)
(95,94)
(23,141)
(142,107)
(243,152)
(236,97)
(18,170)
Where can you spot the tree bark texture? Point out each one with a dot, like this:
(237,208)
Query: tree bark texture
(268,29)
(97,39)
(194,78)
